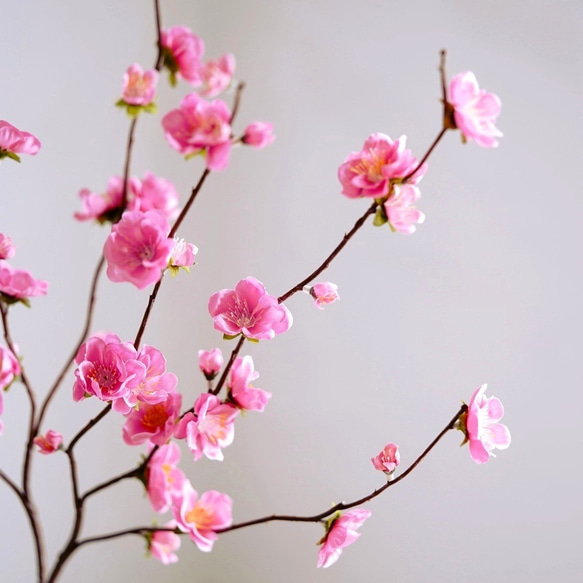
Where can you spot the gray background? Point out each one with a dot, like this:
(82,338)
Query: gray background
(488,289)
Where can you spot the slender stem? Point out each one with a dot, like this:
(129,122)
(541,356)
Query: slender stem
(188,204)
(370,211)
(442,75)
(346,506)
(128,157)
(160,56)
(89,425)
(426,156)
(234,354)
(146,315)
(85,331)
(237,101)
(140,530)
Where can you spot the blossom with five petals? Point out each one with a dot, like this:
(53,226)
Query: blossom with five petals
(481,426)
(241,390)
(401,213)
(249,310)
(475,110)
(139,87)
(369,172)
(165,479)
(341,532)
(201,517)
(19,283)
(183,52)
(217,75)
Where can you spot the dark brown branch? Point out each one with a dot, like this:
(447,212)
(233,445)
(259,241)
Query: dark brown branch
(89,425)
(85,331)
(346,506)
(237,101)
(140,530)
(370,211)
(234,354)
(426,156)
(160,56)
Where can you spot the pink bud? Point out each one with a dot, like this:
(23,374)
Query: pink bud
(324,293)
(7,249)
(388,459)
(210,362)
(48,443)
(258,134)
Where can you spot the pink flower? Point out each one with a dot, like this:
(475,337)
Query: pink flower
(9,368)
(482,428)
(19,283)
(210,428)
(14,142)
(475,111)
(165,478)
(210,362)
(249,310)
(102,207)
(163,543)
(217,75)
(102,368)
(150,383)
(341,533)
(153,193)
(7,249)
(242,392)
(324,293)
(138,248)
(199,126)
(183,254)
(388,459)
(401,213)
(258,134)
(183,53)
(152,422)
(201,517)
(368,172)
(48,443)
(139,87)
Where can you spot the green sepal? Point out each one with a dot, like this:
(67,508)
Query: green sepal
(381,217)
(9,300)
(135,110)
(173,270)
(11,155)
(230,336)
(194,154)
(254,340)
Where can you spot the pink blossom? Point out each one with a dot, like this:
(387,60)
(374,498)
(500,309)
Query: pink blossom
(165,478)
(19,283)
(183,53)
(242,392)
(210,362)
(153,193)
(152,422)
(163,543)
(475,111)
(482,428)
(210,428)
(139,87)
(217,75)
(368,172)
(183,254)
(258,134)
(7,249)
(249,310)
(341,533)
(150,383)
(48,443)
(102,368)
(200,126)
(9,368)
(388,459)
(102,207)
(324,293)
(14,141)
(201,517)
(401,213)
(138,248)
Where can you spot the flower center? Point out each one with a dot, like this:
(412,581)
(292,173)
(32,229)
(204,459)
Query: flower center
(155,417)
(199,516)
(370,166)
(104,375)
(238,313)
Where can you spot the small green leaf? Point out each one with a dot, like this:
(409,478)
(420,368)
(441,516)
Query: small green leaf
(230,336)
(380,218)
(254,340)
(11,155)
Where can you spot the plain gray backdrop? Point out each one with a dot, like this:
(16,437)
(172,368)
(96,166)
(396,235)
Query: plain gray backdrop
(487,290)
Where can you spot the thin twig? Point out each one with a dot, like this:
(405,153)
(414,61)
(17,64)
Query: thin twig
(370,211)
(237,101)
(140,530)
(346,506)
(89,425)
(223,378)
(85,331)
(426,156)
(160,56)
